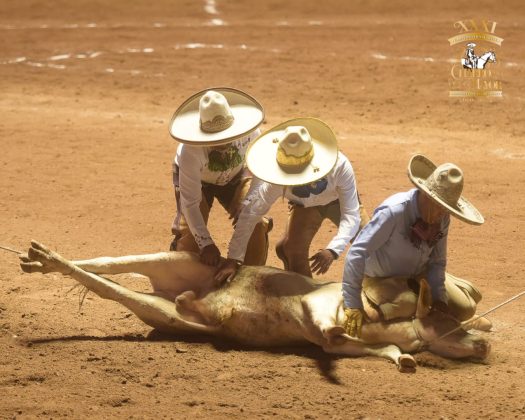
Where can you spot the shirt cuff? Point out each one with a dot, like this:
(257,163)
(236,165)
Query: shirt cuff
(334,253)
(352,299)
(203,241)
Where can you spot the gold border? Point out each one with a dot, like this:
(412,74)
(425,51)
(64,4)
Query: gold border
(472,93)
(475,36)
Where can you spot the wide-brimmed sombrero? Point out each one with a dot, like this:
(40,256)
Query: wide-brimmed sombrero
(444,184)
(295,152)
(216,116)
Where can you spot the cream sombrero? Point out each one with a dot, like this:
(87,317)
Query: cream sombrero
(295,152)
(444,184)
(216,116)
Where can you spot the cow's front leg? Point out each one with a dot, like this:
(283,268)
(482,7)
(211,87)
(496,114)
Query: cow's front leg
(323,307)
(404,362)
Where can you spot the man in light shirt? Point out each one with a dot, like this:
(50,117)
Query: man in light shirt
(299,160)
(407,238)
(215,128)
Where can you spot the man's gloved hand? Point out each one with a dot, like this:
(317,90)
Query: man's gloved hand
(225,270)
(353,321)
(210,255)
(322,261)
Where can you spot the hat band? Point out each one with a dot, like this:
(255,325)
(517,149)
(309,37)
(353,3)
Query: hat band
(219,123)
(292,163)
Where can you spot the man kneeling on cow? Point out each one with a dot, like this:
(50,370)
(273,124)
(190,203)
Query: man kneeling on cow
(407,238)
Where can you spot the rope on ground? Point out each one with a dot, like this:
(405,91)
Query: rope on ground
(6,248)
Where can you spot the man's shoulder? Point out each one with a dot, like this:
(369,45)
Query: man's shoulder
(342,166)
(342,159)
(186,151)
(397,203)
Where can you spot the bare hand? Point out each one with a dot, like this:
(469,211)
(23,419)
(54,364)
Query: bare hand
(210,255)
(227,269)
(321,261)
(353,321)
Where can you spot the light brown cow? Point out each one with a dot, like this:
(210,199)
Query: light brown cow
(260,306)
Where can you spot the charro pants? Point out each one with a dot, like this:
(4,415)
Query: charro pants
(396,297)
(462,297)
(303,224)
(230,196)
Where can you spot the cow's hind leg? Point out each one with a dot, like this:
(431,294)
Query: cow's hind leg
(155,311)
(404,362)
(170,273)
(147,265)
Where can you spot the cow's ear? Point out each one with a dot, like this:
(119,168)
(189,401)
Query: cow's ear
(424,301)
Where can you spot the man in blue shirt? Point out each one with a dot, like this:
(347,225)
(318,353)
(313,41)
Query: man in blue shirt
(407,237)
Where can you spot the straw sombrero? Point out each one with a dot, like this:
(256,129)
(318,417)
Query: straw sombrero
(295,152)
(216,116)
(444,184)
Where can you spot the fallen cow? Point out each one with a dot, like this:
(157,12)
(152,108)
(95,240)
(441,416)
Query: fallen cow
(260,306)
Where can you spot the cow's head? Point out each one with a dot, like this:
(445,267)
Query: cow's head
(432,325)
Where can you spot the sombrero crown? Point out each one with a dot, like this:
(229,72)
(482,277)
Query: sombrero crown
(295,152)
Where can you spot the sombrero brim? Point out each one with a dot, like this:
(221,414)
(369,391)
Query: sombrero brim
(248,114)
(261,156)
(419,169)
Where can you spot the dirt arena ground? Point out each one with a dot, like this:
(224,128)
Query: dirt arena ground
(87,91)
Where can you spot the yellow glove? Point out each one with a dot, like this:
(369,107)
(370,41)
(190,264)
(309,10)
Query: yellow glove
(353,321)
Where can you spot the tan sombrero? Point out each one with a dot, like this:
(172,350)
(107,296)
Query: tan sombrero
(295,152)
(444,184)
(216,116)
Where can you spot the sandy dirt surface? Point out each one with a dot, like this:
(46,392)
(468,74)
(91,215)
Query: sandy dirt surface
(87,91)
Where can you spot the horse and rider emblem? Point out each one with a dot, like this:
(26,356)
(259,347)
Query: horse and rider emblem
(472,61)
(471,76)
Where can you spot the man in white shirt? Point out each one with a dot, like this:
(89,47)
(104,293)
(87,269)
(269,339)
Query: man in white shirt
(299,160)
(215,128)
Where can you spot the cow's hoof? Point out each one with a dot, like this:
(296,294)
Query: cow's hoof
(481,349)
(406,364)
(29,266)
(185,299)
(480,324)
(40,258)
